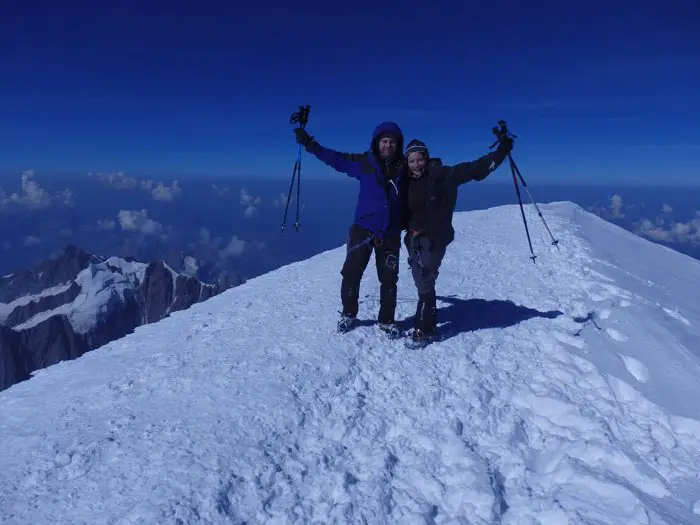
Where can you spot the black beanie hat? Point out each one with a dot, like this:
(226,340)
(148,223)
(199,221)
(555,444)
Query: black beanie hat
(417,145)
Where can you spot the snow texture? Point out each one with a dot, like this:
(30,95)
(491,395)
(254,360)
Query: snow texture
(563,392)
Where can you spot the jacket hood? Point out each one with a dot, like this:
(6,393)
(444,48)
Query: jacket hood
(387,127)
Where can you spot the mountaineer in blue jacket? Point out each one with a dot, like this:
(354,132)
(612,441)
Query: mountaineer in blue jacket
(380,217)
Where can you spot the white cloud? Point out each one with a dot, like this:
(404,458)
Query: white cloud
(34,196)
(220,192)
(204,236)
(281,200)
(31,240)
(166,193)
(616,206)
(116,180)
(676,232)
(250,203)
(666,209)
(65,197)
(235,247)
(158,190)
(135,220)
(191,265)
(611,210)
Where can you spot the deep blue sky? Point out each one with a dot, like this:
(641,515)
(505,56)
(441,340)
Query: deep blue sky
(606,91)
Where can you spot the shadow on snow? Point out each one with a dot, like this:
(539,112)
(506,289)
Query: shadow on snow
(469,315)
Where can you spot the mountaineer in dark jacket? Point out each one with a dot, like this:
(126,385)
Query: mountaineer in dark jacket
(432,196)
(380,217)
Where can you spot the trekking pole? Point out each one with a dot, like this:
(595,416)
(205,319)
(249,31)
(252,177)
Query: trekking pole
(502,133)
(514,166)
(300,117)
(522,211)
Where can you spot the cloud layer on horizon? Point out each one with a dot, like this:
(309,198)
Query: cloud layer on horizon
(33,196)
(662,228)
(158,190)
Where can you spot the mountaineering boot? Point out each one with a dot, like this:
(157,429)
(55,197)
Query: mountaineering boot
(420,338)
(390,329)
(345,323)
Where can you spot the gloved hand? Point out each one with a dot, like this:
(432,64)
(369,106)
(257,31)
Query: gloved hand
(303,137)
(505,144)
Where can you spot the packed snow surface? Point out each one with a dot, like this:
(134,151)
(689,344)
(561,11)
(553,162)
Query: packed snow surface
(564,392)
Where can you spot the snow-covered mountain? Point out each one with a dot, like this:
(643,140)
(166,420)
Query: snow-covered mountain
(564,392)
(77,301)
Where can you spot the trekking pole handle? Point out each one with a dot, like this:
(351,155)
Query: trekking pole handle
(501,131)
(300,117)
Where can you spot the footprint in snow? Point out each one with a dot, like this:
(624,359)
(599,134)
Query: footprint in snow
(636,368)
(616,335)
(675,314)
(569,339)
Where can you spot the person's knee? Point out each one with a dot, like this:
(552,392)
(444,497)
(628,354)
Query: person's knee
(352,273)
(355,264)
(425,281)
(389,268)
(426,288)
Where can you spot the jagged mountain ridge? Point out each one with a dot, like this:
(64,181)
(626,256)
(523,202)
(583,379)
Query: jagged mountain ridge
(77,302)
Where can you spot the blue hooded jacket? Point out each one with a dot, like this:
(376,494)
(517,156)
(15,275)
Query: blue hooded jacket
(381,203)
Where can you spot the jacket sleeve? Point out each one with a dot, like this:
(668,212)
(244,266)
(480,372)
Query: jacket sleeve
(342,162)
(476,170)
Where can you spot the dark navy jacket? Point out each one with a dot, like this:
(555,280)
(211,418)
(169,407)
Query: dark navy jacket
(443,183)
(381,204)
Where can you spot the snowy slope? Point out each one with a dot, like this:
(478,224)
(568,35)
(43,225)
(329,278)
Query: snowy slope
(565,392)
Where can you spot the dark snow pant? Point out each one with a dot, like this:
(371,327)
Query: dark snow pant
(425,260)
(360,245)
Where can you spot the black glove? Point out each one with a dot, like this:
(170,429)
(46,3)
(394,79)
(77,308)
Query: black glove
(303,137)
(505,145)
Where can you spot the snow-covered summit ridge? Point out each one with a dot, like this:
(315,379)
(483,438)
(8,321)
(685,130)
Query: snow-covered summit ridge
(565,392)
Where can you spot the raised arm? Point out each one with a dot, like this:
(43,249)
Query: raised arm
(342,162)
(477,169)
